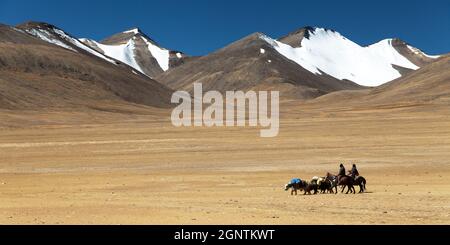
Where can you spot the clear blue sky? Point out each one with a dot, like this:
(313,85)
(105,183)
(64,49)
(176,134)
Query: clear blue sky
(198,27)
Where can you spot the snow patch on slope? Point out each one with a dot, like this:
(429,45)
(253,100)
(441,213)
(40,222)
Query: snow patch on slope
(47,37)
(160,54)
(16,29)
(134,31)
(80,45)
(51,38)
(123,53)
(327,51)
(420,52)
(126,52)
(84,40)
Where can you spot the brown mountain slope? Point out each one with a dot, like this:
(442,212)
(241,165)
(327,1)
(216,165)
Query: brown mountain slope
(14,35)
(252,63)
(35,74)
(429,84)
(413,54)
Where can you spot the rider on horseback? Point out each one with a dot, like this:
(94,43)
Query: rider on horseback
(354,172)
(341,172)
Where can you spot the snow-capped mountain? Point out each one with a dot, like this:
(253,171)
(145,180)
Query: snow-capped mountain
(54,35)
(251,63)
(136,49)
(305,64)
(43,67)
(322,51)
(131,47)
(317,58)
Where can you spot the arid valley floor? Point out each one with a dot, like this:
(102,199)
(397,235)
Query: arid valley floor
(138,169)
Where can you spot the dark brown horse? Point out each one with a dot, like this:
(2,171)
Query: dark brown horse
(311,187)
(325,186)
(343,180)
(346,181)
(361,181)
(334,182)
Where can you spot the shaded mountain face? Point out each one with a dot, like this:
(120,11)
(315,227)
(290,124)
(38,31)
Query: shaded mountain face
(40,74)
(294,39)
(136,49)
(252,63)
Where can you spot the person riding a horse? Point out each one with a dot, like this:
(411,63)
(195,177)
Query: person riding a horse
(354,172)
(341,171)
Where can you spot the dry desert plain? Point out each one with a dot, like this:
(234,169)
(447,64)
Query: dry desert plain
(122,168)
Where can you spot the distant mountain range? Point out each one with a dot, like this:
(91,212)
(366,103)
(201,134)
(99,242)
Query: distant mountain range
(305,64)
(43,65)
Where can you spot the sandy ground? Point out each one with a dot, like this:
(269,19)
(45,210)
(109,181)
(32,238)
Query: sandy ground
(148,172)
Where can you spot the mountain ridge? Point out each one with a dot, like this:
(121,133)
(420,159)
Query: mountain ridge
(251,63)
(36,74)
(296,64)
(306,46)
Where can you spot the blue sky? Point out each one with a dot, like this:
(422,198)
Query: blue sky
(198,27)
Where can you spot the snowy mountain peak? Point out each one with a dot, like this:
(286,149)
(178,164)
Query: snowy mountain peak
(311,31)
(295,38)
(324,51)
(133,34)
(133,30)
(319,33)
(125,36)
(301,32)
(136,49)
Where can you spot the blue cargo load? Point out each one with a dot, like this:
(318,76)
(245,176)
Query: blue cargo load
(296,181)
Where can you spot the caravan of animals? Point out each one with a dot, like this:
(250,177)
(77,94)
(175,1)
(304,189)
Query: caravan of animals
(329,183)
